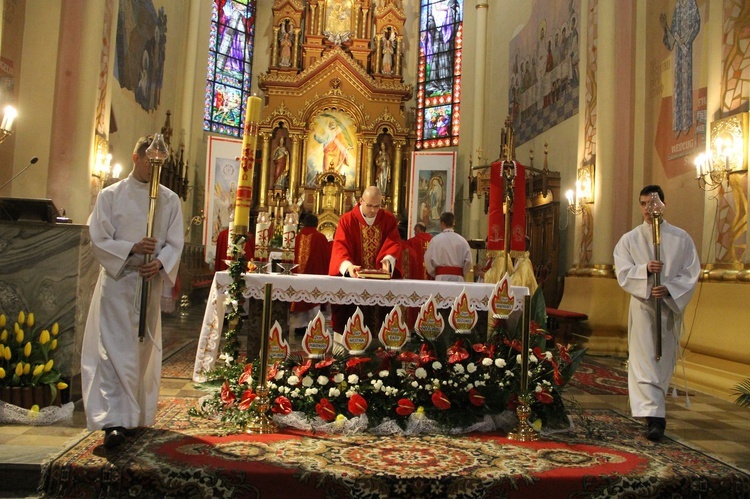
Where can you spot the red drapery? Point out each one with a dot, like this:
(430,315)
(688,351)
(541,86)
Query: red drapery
(496,218)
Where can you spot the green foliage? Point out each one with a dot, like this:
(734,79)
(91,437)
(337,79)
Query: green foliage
(743,390)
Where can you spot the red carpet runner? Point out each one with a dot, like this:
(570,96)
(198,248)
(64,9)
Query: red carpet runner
(604,456)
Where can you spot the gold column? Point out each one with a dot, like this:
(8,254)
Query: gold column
(295,55)
(355,20)
(313,21)
(366,23)
(265,168)
(397,161)
(368,176)
(321,15)
(275,49)
(294,170)
(378,55)
(397,48)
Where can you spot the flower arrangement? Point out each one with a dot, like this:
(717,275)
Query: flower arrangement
(26,355)
(444,385)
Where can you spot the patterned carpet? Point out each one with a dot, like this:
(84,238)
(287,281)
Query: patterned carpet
(180,364)
(604,456)
(599,380)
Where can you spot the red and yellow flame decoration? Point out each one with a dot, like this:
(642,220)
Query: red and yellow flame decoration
(463,317)
(357,336)
(317,340)
(429,322)
(393,333)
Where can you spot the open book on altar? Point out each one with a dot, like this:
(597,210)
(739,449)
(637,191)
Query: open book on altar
(374,274)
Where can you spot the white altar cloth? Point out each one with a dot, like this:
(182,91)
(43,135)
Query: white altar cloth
(326,289)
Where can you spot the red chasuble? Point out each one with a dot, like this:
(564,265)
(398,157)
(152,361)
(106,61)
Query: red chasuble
(419,244)
(366,245)
(310,243)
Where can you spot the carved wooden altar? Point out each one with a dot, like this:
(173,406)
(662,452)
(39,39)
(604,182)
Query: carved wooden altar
(334,98)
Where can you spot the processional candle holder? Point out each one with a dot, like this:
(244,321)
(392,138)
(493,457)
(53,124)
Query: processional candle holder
(261,422)
(524,432)
(6,127)
(656,210)
(156,153)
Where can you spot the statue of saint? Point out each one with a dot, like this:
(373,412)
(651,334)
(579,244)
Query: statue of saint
(382,168)
(280,160)
(285,44)
(387,67)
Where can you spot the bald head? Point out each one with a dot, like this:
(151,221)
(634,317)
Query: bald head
(370,202)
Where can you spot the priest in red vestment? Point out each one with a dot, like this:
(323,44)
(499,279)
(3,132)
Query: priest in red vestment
(311,254)
(366,238)
(222,246)
(419,244)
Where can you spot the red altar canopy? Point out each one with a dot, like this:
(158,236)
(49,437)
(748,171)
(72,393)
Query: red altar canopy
(496,218)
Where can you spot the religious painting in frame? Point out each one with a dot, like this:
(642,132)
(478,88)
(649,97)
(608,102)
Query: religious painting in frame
(332,144)
(222,172)
(432,187)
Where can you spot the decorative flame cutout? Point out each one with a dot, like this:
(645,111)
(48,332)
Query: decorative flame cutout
(393,333)
(317,339)
(501,301)
(278,348)
(429,322)
(357,336)
(463,317)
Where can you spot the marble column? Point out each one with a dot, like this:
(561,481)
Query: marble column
(477,216)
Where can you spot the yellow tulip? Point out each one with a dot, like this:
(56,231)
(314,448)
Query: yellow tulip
(21,317)
(44,337)
(19,336)
(2,320)
(62,385)
(26,368)
(2,373)
(30,319)
(27,349)
(55,329)
(16,328)
(4,336)
(48,365)
(7,353)
(19,369)
(34,408)
(53,345)
(38,370)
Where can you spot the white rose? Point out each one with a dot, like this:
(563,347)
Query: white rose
(338,378)
(333,392)
(293,380)
(384,373)
(307,381)
(420,373)
(322,380)
(500,363)
(458,368)
(472,368)
(488,362)
(353,379)
(437,365)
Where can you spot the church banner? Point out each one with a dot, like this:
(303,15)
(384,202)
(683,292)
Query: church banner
(496,217)
(222,167)
(432,186)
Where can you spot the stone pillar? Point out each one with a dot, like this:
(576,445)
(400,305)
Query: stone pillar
(477,216)
(265,169)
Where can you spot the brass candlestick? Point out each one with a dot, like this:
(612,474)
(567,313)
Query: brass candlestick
(524,432)
(262,422)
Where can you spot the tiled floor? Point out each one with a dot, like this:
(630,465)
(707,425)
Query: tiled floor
(714,426)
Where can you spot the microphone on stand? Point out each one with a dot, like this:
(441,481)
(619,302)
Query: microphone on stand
(31,162)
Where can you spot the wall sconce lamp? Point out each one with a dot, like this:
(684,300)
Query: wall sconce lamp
(6,127)
(726,154)
(584,193)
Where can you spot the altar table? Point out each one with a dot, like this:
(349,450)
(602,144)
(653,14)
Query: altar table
(326,289)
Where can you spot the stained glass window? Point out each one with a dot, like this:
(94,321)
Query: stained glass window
(230,58)
(439,73)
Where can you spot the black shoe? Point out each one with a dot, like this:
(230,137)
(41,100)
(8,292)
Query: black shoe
(114,437)
(656,428)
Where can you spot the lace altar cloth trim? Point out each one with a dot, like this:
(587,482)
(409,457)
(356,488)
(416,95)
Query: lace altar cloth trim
(325,289)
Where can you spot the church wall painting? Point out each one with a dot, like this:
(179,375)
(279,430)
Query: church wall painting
(432,188)
(544,69)
(139,54)
(222,172)
(332,144)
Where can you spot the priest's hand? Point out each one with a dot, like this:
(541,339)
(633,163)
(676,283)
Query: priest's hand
(353,270)
(386,266)
(659,292)
(150,269)
(145,246)
(654,267)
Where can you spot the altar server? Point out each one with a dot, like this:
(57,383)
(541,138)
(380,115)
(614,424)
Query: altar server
(120,374)
(648,378)
(448,256)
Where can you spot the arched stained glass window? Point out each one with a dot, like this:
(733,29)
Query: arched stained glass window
(439,73)
(230,58)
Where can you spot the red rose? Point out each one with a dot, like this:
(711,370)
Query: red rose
(476,398)
(325,410)
(247,398)
(227,395)
(357,404)
(281,405)
(440,400)
(405,407)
